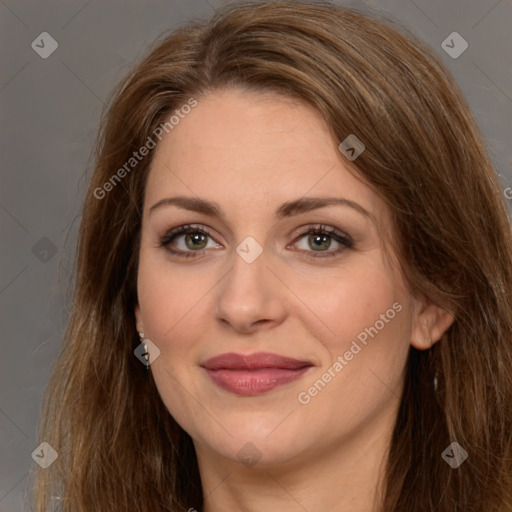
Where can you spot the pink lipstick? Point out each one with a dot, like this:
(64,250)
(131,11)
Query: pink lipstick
(254,374)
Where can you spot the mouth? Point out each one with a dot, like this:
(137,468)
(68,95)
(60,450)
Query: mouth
(255,374)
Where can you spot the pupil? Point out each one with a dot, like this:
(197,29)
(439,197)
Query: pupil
(320,241)
(193,238)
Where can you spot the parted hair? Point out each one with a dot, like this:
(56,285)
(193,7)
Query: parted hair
(118,447)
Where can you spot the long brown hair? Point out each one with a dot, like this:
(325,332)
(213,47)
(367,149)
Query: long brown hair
(119,448)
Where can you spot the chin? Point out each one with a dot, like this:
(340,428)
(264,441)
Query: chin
(260,440)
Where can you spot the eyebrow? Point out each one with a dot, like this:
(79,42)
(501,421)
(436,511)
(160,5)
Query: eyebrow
(288,209)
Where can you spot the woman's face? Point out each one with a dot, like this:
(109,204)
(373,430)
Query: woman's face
(257,173)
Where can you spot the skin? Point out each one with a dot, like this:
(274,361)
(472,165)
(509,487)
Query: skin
(250,153)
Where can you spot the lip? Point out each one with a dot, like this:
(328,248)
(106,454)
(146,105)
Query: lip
(253,374)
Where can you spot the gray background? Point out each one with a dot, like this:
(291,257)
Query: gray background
(50,110)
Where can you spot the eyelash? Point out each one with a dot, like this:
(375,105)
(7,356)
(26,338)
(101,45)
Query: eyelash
(336,235)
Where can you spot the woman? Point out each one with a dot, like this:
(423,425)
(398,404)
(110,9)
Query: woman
(294,282)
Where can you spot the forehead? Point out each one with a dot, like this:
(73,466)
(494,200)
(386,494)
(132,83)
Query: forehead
(252,149)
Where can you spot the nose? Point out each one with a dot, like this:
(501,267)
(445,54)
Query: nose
(250,297)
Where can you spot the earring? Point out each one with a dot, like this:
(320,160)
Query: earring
(146,351)
(436,381)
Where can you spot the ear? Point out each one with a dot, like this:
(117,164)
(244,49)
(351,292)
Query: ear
(430,322)
(138,319)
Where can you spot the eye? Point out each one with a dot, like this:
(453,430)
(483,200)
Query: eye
(320,239)
(187,241)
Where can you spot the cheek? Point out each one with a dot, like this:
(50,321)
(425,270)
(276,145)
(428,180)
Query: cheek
(368,314)
(356,302)
(173,316)
(365,331)
(167,299)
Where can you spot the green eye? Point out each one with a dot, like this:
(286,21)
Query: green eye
(322,242)
(320,239)
(195,240)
